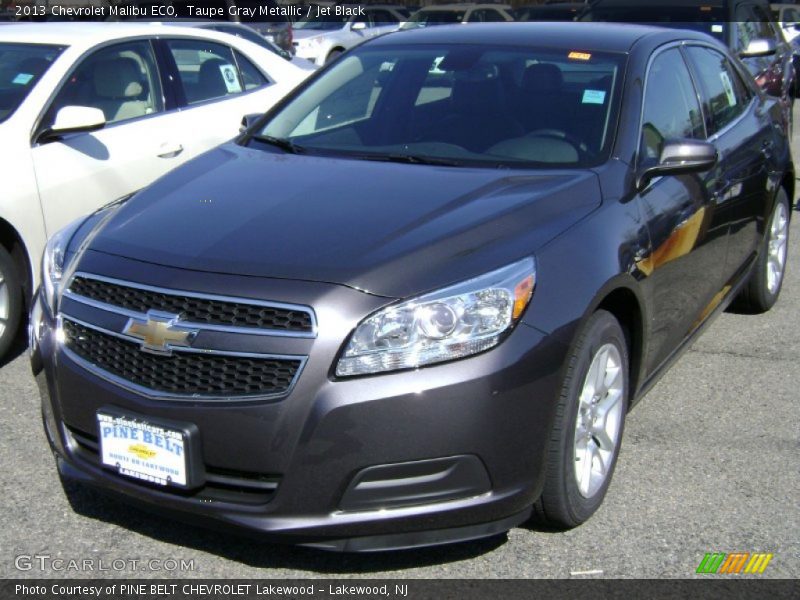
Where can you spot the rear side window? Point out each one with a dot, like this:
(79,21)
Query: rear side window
(724,94)
(207,70)
(251,76)
(671,109)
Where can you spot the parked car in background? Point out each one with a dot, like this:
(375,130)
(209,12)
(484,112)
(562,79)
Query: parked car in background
(249,34)
(449,14)
(745,26)
(323,37)
(275,28)
(788,17)
(414,303)
(91,112)
(557,11)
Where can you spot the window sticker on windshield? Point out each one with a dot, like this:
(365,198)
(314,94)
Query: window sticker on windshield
(716,29)
(579,55)
(231,79)
(726,83)
(593,97)
(22,79)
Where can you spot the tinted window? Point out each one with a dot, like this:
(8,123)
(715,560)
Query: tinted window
(120,80)
(751,26)
(207,70)
(382,17)
(724,94)
(21,67)
(493,16)
(252,77)
(671,109)
(467,104)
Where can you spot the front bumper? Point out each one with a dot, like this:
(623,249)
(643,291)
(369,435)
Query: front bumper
(442,454)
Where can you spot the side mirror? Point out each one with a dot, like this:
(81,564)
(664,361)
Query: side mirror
(759,47)
(74,119)
(358,26)
(677,158)
(249,120)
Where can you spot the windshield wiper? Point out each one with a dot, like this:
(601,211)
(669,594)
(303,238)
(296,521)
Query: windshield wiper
(281,143)
(412,159)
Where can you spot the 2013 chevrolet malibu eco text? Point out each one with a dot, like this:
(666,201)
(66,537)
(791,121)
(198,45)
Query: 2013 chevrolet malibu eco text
(413,303)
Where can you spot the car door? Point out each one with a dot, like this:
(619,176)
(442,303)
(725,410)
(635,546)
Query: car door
(81,172)
(216,85)
(741,129)
(688,233)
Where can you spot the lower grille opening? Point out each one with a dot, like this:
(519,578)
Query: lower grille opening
(222,485)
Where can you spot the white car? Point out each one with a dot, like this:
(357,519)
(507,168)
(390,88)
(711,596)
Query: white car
(787,16)
(325,34)
(92,112)
(448,14)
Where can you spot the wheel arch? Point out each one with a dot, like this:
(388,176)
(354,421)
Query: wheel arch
(623,300)
(14,244)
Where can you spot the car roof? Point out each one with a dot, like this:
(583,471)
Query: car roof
(599,37)
(83,34)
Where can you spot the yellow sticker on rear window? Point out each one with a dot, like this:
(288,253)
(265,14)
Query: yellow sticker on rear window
(579,55)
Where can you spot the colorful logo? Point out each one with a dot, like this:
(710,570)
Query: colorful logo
(735,563)
(141,451)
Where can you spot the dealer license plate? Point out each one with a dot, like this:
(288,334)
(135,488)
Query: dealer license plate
(143,450)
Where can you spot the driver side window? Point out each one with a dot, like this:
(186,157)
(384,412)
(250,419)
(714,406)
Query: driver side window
(121,80)
(671,108)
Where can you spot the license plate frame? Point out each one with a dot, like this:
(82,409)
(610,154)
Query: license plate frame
(149,449)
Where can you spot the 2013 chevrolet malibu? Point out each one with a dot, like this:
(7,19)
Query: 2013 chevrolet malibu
(415,301)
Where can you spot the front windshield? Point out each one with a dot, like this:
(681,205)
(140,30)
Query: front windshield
(322,22)
(457,104)
(426,18)
(21,67)
(705,19)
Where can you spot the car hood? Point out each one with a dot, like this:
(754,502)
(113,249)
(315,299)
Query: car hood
(385,228)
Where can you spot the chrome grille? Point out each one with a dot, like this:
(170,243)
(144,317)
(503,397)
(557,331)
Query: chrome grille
(194,374)
(194,308)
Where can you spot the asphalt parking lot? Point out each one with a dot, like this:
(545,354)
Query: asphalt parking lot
(710,463)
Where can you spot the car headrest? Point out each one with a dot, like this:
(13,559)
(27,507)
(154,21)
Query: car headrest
(478,89)
(542,78)
(118,78)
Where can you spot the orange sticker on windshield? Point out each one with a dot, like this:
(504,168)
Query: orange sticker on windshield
(579,55)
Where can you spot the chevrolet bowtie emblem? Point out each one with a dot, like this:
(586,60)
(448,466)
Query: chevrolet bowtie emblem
(159,333)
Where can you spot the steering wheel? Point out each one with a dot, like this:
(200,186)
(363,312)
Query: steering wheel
(579,145)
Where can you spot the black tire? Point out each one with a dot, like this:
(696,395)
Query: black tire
(756,296)
(562,505)
(333,56)
(10,302)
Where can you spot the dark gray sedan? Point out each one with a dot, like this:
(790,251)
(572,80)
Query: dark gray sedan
(413,303)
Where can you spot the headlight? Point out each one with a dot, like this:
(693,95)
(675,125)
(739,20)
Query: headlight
(455,322)
(53,263)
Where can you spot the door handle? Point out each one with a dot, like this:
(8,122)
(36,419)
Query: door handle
(169,150)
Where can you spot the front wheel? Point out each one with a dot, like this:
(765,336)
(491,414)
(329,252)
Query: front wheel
(762,290)
(10,301)
(590,417)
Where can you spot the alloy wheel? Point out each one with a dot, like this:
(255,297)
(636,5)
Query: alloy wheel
(776,248)
(5,304)
(599,420)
